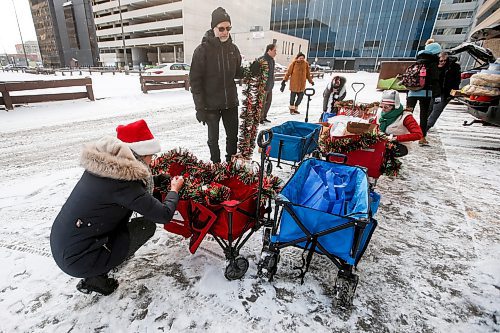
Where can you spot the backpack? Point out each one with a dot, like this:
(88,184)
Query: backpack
(414,76)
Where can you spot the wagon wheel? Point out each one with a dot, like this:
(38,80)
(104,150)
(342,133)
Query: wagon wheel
(236,269)
(268,265)
(269,168)
(345,287)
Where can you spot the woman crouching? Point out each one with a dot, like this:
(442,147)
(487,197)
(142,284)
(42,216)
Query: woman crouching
(92,233)
(397,123)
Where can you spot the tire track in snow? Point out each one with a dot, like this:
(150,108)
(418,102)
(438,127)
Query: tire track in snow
(24,247)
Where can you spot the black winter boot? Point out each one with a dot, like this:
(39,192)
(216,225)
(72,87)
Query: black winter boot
(100,284)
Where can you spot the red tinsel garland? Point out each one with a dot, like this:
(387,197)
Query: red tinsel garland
(254,92)
(202,180)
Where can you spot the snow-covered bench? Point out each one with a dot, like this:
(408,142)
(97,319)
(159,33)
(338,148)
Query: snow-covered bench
(7,87)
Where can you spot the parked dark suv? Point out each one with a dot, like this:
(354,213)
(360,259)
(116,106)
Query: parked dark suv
(485,111)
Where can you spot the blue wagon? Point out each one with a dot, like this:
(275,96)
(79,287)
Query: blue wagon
(293,140)
(325,208)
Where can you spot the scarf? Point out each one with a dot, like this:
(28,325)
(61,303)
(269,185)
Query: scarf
(387,118)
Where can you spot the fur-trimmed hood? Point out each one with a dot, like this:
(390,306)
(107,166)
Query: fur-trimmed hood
(111,158)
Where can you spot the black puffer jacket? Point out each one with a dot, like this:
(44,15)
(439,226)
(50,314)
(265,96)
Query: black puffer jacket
(214,67)
(449,78)
(432,74)
(89,235)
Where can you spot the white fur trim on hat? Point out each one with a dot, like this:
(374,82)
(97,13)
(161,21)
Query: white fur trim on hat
(147,147)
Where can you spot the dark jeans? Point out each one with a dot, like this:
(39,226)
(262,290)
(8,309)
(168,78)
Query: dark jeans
(140,230)
(267,104)
(230,122)
(425,103)
(299,96)
(437,109)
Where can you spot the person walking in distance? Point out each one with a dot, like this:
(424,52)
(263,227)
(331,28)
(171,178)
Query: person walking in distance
(269,58)
(216,64)
(298,72)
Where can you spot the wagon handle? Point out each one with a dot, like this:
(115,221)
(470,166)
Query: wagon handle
(339,155)
(260,138)
(358,84)
(309,92)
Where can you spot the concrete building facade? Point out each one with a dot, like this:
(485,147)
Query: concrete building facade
(488,17)
(253,45)
(159,31)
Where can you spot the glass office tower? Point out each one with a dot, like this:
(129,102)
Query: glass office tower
(357,34)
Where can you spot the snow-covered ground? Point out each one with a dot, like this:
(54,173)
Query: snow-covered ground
(432,265)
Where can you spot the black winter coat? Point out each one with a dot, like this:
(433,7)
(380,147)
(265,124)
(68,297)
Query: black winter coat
(214,68)
(89,235)
(271,64)
(432,74)
(449,78)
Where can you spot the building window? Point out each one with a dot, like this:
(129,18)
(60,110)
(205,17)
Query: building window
(455,16)
(372,43)
(461,1)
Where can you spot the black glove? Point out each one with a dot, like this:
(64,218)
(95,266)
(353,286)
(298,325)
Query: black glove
(283,84)
(255,68)
(200,116)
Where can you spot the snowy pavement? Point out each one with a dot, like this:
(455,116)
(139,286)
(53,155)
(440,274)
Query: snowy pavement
(432,265)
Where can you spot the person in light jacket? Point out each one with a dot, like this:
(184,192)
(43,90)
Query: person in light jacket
(298,72)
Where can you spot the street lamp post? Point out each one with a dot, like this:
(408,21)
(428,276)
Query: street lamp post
(20,34)
(123,38)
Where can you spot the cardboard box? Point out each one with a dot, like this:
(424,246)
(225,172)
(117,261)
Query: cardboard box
(360,128)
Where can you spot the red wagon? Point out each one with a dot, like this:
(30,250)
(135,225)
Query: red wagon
(230,222)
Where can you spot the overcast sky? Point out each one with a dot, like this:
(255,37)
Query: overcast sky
(9,33)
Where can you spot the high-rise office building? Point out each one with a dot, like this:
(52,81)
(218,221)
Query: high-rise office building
(65,32)
(357,34)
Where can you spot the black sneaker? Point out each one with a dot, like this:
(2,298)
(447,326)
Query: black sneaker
(266,120)
(100,284)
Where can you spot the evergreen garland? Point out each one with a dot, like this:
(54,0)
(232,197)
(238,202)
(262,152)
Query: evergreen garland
(254,92)
(202,181)
(390,165)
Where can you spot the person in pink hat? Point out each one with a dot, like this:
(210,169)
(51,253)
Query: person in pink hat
(93,233)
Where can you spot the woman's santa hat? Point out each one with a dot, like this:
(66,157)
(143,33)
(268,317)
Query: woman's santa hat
(139,138)
(391,97)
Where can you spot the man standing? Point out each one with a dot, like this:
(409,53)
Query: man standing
(216,63)
(269,58)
